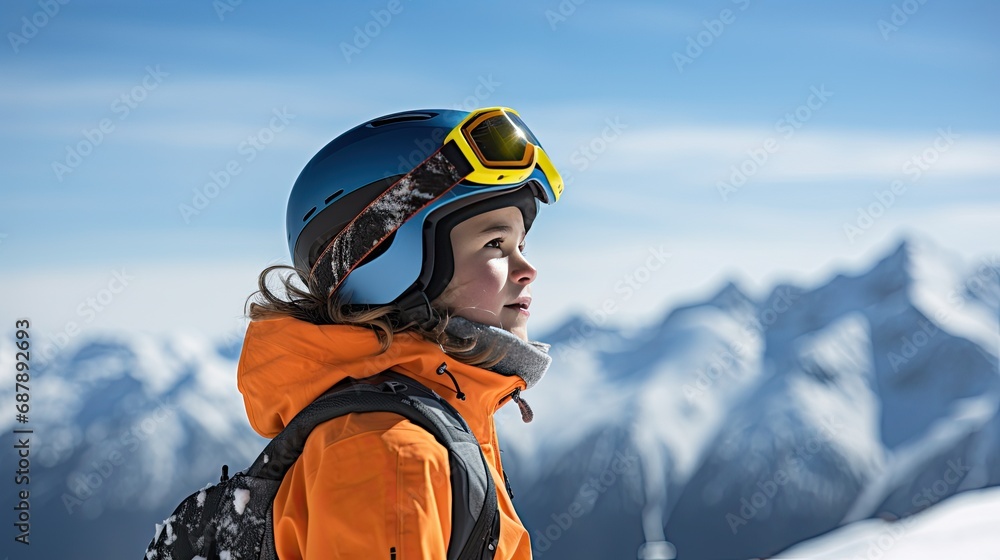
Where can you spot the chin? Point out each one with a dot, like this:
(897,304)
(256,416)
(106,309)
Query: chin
(520,331)
(476,315)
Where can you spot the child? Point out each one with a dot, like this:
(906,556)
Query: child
(407,234)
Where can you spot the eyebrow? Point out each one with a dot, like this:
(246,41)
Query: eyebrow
(497,228)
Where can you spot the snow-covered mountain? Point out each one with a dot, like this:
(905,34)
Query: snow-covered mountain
(124,426)
(733,428)
(760,424)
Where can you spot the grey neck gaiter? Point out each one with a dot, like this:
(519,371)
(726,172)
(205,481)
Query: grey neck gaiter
(529,360)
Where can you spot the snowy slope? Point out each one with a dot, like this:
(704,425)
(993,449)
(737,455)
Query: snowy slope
(962,527)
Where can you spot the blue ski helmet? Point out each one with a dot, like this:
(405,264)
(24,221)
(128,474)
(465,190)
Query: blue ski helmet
(338,203)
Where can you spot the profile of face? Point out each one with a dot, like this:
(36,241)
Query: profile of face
(491,283)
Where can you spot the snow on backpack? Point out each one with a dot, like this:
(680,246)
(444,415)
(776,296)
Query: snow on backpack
(232,520)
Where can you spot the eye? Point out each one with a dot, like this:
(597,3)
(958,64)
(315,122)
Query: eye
(498,244)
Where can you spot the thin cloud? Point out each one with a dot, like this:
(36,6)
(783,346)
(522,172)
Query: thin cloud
(810,154)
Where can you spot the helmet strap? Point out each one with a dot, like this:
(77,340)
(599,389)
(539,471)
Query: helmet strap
(414,306)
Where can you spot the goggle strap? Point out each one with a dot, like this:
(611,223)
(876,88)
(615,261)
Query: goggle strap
(454,155)
(424,184)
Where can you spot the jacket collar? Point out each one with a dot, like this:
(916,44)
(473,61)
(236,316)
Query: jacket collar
(529,360)
(287,363)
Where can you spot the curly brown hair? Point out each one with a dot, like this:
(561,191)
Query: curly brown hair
(304,303)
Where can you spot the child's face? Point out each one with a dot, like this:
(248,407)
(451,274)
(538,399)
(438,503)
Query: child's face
(491,275)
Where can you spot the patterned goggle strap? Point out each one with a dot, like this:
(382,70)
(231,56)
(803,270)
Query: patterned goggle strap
(424,184)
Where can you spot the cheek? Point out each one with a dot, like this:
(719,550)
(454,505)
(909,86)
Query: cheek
(486,279)
(496,273)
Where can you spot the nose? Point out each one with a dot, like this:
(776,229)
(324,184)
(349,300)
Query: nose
(521,271)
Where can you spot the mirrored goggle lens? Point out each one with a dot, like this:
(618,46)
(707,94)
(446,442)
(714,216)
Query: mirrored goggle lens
(499,139)
(524,128)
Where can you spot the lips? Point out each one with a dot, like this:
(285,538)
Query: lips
(520,305)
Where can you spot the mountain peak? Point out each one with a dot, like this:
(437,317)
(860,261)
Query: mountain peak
(896,268)
(917,258)
(731,298)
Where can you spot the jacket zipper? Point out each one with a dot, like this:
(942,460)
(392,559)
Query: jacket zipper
(505,398)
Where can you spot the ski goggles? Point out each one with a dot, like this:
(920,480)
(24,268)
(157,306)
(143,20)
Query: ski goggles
(502,150)
(490,147)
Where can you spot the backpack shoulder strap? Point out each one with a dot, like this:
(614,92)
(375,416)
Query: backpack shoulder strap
(474,501)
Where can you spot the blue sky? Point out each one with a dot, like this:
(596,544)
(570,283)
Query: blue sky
(825,109)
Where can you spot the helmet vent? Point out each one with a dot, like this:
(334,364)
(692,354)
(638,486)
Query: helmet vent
(401,118)
(333,196)
(309,213)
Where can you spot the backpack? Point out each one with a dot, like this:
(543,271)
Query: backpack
(233,520)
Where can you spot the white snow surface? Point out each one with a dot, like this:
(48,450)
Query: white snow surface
(241,497)
(842,349)
(962,527)
(945,291)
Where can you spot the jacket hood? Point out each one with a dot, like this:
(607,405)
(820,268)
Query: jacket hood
(287,363)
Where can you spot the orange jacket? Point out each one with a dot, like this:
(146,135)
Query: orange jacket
(372,485)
